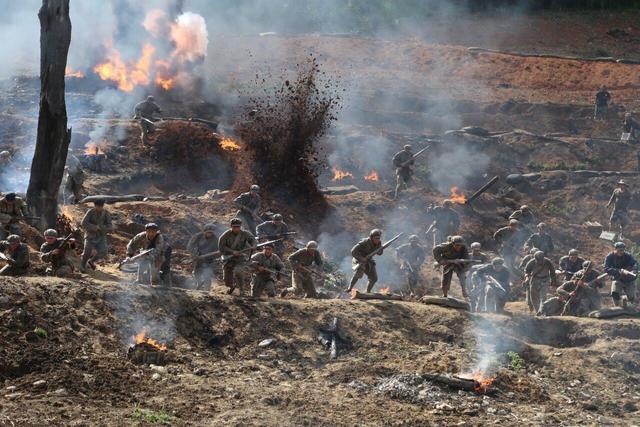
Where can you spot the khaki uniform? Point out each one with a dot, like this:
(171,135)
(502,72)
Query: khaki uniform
(526,218)
(541,275)
(446,223)
(510,241)
(203,269)
(149,266)
(585,300)
(362,266)
(494,297)
(19,260)
(74,179)
(251,203)
(570,267)
(145,111)
(96,226)
(264,281)
(544,242)
(10,214)
(270,230)
(414,256)
(403,173)
(445,252)
(59,265)
(234,267)
(302,282)
(621,198)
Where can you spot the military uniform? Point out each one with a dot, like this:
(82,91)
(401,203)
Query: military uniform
(526,218)
(570,267)
(510,242)
(10,213)
(149,266)
(59,264)
(621,198)
(403,173)
(446,223)
(602,104)
(541,275)
(234,267)
(271,230)
(543,242)
(203,269)
(251,203)
(18,265)
(494,297)
(584,300)
(443,252)
(622,283)
(264,281)
(302,281)
(414,256)
(74,179)
(362,266)
(476,289)
(145,111)
(96,225)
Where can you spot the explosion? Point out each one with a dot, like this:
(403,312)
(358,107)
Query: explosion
(457,197)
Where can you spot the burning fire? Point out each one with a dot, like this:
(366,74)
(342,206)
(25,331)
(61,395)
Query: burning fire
(339,175)
(457,197)
(484,381)
(372,176)
(385,291)
(93,149)
(126,75)
(141,338)
(354,293)
(229,144)
(68,72)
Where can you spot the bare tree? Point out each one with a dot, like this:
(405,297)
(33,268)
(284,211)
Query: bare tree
(52,144)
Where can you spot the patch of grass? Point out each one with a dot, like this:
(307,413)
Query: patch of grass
(41,332)
(152,417)
(515,361)
(554,209)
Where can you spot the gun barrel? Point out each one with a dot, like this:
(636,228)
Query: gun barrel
(482,190)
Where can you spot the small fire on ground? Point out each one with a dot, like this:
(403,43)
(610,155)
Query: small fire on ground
(385,291)
(484,381)
(229,144)
(340,175)
(372,176)
(94,149)
(141,338)
(457,196)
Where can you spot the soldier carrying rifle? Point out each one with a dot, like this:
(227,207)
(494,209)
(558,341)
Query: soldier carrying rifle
(153,244)
(412,256)
(274,229)
(16,256)
(363,262)
(403,162)
(249,205)
(453,256)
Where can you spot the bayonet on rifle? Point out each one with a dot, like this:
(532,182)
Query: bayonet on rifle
(372,254)
(402,165)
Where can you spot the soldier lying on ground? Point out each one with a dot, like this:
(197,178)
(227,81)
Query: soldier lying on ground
(54,252)
(301,270)
(16,256)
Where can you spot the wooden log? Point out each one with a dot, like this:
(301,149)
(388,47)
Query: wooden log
(53,138)
(445,302)
(356,294)
(608,313)
(114,199)
(453,382)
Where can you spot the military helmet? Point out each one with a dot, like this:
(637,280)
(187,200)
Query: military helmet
(150,98)
(414,238)
(375,232)
(277,217)
(573,252)
(14,238)
(619,245)
(312,244)
(98,202)
(476,245)
(625,114)
(151,226)
(50,233)
(533,251)
(237,222)
(497,261)
(5,153)
(407,147)
(268,245)
(622,182)
(447,203)
(255,188)
(539,255)
(457,240)
(209,227)
(541,225)
(586,265)
(524,208)
(514,222)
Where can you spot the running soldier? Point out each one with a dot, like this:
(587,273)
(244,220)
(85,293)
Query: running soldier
(74,179)
(361,264)
(622,266)
(630,127)
(54,252)
(412,256)
(249,205)
(570,264)
(496,285)
(12,211)
(16,256)
(145,112)
(96,224)
(541,240)
(603,97)
(446,222)
(525,217)
(301,271)
(402,161)
(509,239)
(452,256)
(148,266)
(268,268)
(235,245)
(274,230)
(203,248)
(540,273)
(621,198)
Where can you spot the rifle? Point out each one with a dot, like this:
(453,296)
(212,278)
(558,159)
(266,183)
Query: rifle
(311,271)
(462,261)
(214,254)
(4,257)
(136,257)
(255,216)
(371,255)
(492,282)
(252,248)
(404,164)
(431,227)
(569,304)
(273,236)
(268,270)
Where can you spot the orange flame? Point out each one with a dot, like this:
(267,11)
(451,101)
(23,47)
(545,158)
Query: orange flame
(93,149)
(66,211)
(141,338)
(229,144)
(484,382)
(456,196)
(126,75)
(189,36)
(340,175)
(372,176)
(354,293)
(385,291)
(68,72)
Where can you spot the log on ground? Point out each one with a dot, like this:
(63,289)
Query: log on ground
(445,302)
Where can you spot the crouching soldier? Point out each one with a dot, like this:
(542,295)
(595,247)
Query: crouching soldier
(622,266)
(149,265)
(363,265)
(203,248)
(16,256)
(539,274)
(54,252)
(412,256)
(580,297)
(497,287)
(268,268)
(301,270)
(234,245)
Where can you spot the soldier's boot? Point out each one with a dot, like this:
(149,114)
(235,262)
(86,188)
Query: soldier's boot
(353,282)
(284,292)
(370,286)
(616,298)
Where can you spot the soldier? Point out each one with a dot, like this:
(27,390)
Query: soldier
(5,159)
(509,239)
(272,230)
(203,248)
(449,255)
(96,223)
(233,245)
(446,222)
(16,256)
(249,204)
(541,240)
(301,272)
(630,126)
(74,178)
(476,253)
(12,210)
(266,265)
(622,266)
(580,294)
(525,217)
(148,266)
(540,273)
(361,264)
(145,111)
(621,198)
(603,97)
(496,294)
(402,161)
(570,264)
(412,256)
(54,252)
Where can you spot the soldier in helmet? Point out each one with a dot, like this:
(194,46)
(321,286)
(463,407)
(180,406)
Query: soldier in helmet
(301,273)
(509,240)
(15,255)
(274,230)
(445,223)
(620,199)
(249,205)
(496,285)
(96,224)
(412,256)
(525,217)
(570,264)
(268,268)
(603,97)
(622,266)
(149,267)
(402,161)
(203,248)
(5,160)
(540,273)
(233,245)
(541,240)
(12,211)
(363,265)
(54,252)
(630,126)
(449,255)
(145,111)
(477,254)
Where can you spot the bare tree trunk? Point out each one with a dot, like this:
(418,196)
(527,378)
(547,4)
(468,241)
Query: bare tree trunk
(52,144)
